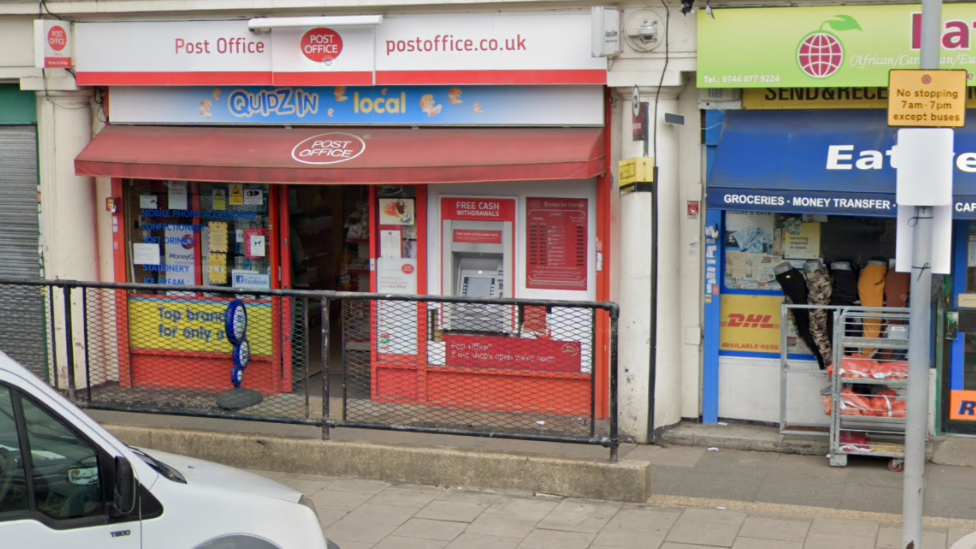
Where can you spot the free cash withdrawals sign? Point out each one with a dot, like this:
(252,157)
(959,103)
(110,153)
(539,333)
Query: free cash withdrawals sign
(834,46)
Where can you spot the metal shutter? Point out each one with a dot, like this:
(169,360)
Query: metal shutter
(23,333)
(19,225)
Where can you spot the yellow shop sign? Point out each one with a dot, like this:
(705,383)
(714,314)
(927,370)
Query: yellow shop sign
(189,325)
(824,98)
(750,324)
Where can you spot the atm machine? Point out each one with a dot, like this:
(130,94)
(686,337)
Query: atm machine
(477,263)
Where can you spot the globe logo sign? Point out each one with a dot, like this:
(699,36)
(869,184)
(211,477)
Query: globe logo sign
(821,53)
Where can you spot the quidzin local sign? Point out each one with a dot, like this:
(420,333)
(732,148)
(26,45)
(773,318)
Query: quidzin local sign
(835,46)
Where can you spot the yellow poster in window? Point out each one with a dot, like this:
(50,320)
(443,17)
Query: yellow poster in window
(236,194)
(218,237)
(750,324)
(802,243)
(191,325)
(217,267)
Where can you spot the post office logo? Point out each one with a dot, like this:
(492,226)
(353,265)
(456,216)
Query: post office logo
(321,45)
(329,148)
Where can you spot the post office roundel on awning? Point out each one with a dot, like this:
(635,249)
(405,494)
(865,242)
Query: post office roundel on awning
(329,148)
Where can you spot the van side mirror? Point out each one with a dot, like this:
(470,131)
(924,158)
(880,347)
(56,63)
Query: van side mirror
(124,490)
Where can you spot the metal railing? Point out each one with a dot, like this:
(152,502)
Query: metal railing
(506,368)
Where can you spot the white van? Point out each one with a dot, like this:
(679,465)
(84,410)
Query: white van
(66,483)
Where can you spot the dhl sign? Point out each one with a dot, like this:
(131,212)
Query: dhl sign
(737,320)
(750,324)
(962,406)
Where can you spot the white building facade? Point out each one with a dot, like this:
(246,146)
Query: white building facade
(73,106)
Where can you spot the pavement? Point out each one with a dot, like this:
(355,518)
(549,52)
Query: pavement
(865,485)
(693,476)
(367,514)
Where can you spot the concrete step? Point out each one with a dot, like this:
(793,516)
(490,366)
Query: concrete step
(626,480)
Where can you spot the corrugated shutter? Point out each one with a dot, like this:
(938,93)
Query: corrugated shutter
(19,225)
(23,333)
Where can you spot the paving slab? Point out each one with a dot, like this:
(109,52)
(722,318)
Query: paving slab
(525,509)
(707,527)
(575,515)
(431,529)
(850,528)
(306,484)
(758,543)
(475,541)
(339,499)
(457,511)
(381,514)
(637,528)
(495,525)
(328,516)
(347,530)
(552,539)
(680,523)
(396,542)
(775,529)
(358,485)
(406,497)
(889,537)
(469,496)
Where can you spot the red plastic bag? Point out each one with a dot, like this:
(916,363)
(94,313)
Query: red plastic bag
(853,404)
(857,367)
(890,370)
(885,404)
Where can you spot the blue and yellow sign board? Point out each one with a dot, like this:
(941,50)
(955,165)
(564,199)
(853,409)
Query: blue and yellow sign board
(189,325)
(374,105)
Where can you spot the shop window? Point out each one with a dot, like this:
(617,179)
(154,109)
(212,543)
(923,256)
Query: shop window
(756,243)
(211,234)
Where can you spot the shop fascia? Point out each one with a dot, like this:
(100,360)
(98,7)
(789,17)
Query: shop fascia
(847,157)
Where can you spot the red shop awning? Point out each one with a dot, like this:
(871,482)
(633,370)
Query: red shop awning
(344,155)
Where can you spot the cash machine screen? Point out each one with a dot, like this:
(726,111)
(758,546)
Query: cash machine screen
(478,286)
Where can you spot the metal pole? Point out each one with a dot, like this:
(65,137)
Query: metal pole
(614,433)
(913,489)
(326,414)
(913,494)
(69,352)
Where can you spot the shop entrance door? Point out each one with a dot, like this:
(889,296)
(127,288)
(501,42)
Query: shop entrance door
(959,377)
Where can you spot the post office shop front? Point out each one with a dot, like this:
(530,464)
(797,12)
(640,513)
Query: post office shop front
(468,188)
(813,216)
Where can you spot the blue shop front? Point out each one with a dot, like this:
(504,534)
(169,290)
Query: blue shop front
(789,189)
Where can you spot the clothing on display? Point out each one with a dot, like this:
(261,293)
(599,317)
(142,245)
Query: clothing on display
(819,293)
(795,288)
(896,288)
(844,284)
(871,289)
